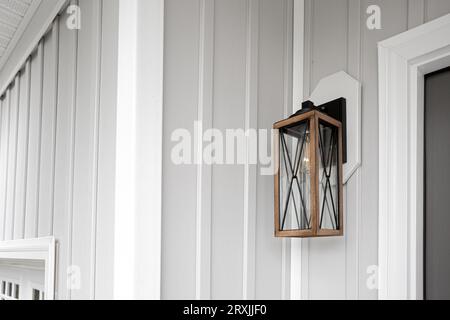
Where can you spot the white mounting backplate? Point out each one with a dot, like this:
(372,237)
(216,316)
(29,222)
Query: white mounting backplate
(342,85)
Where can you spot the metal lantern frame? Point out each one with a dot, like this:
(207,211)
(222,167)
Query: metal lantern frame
(314,117)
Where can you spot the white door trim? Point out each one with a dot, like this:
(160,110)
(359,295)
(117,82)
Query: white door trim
(403,62)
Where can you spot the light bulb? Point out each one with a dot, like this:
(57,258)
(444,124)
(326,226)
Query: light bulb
(306,157)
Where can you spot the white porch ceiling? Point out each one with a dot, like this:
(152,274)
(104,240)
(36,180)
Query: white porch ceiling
(14,17)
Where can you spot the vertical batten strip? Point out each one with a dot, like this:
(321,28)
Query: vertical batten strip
(289,103)
(298,276)
(360,40)
(13,179)
(34,129)
(67,71)
(12,155)
(250,169)
(5,149)
(106,154)
(359,174)
(149,146)
(40,99)
(125,166)
(304,246)
(48,132)
(21,188)
(87,105)
(9,165)
(352,190)
(204,172)
(6,104)
(93,255)
(55,33)
(1,165)
(72,158)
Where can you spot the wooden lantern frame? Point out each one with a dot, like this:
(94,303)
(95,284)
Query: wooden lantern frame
(314,117)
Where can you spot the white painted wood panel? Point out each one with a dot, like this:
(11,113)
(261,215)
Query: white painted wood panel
(182,25)
(394,21)
(48,133)
(125,167)
(227,187)
(230,64)
(84,204)
(416,13)
(66,113)
(329,53)
(57,127)
(204,172)
(326,257)
(291,251)
(104,258)
(3,162)
(352,191)
(137,238)
(435,9)
(149,140)
(13,97)
(274,102)
(34,144)
(22,152)
(250,170)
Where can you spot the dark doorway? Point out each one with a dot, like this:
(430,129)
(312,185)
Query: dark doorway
(437,186)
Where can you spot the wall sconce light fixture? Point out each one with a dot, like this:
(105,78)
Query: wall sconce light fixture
(310,153)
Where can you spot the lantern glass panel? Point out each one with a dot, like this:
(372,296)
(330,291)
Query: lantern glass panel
(328,176)
(295,177)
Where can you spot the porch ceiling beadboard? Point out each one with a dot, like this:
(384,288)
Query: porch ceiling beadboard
(14,18)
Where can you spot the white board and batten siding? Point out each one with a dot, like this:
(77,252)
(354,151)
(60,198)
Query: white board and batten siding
(56,156)
(228,63)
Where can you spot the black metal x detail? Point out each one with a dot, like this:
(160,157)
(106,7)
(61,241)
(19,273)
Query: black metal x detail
(293,170)
(327,189)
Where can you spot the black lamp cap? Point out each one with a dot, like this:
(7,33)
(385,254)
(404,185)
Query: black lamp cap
(336,109)
(306,107)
